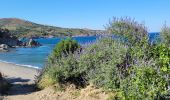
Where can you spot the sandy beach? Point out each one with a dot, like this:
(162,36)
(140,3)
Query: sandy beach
(16,71)
(22,80)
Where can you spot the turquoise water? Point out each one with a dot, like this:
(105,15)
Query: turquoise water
(37,57)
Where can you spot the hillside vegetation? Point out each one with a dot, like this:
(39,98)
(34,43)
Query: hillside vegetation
(23,28)
(130,66)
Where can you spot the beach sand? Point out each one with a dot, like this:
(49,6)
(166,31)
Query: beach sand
(22,79)
(16,71)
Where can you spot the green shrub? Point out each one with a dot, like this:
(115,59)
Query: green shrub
(129,29)
(133,70)
(136,40)
(140,79)
(66,70)
(65,47)
(148,74)
(99,62)
(94,65)
(165,35)
(161,53)
(60,64)
(143,83)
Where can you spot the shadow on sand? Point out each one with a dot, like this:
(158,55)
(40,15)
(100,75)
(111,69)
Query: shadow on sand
(20,86)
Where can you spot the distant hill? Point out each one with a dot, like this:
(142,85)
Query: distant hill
(23,28)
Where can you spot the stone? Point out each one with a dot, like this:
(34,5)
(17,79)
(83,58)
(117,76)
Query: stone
(4,48)
(32,43)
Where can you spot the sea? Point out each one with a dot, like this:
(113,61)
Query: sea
(37,57)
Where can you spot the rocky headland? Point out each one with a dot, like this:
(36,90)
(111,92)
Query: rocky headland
(7,40)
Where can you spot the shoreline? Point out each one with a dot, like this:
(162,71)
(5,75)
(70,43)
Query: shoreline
(29,66)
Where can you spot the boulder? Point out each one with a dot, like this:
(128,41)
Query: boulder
(4,48)
(32,43)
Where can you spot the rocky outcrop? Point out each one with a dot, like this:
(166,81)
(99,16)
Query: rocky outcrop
(10,42)
(8,39)
(4,48)
(31,43)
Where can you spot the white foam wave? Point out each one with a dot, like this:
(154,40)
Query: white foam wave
(30,66)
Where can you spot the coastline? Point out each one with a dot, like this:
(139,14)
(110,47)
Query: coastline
(29,66)
(14,71)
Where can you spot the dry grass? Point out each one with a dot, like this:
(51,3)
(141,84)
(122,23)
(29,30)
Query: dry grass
(45,82)
(69,93)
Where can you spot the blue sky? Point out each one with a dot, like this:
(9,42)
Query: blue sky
(93,14)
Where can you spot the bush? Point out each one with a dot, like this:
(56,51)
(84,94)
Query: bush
(140,78)
(129,29)
(60,64)
(94,65)
(64,48)
(144,81)
(99,62)
(132,70)
(165,35)
(161,54)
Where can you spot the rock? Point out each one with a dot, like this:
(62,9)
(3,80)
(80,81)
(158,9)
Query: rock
(10,42)
(32,43)
(7,38)
(4,48)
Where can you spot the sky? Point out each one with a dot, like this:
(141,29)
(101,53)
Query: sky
(92,14)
